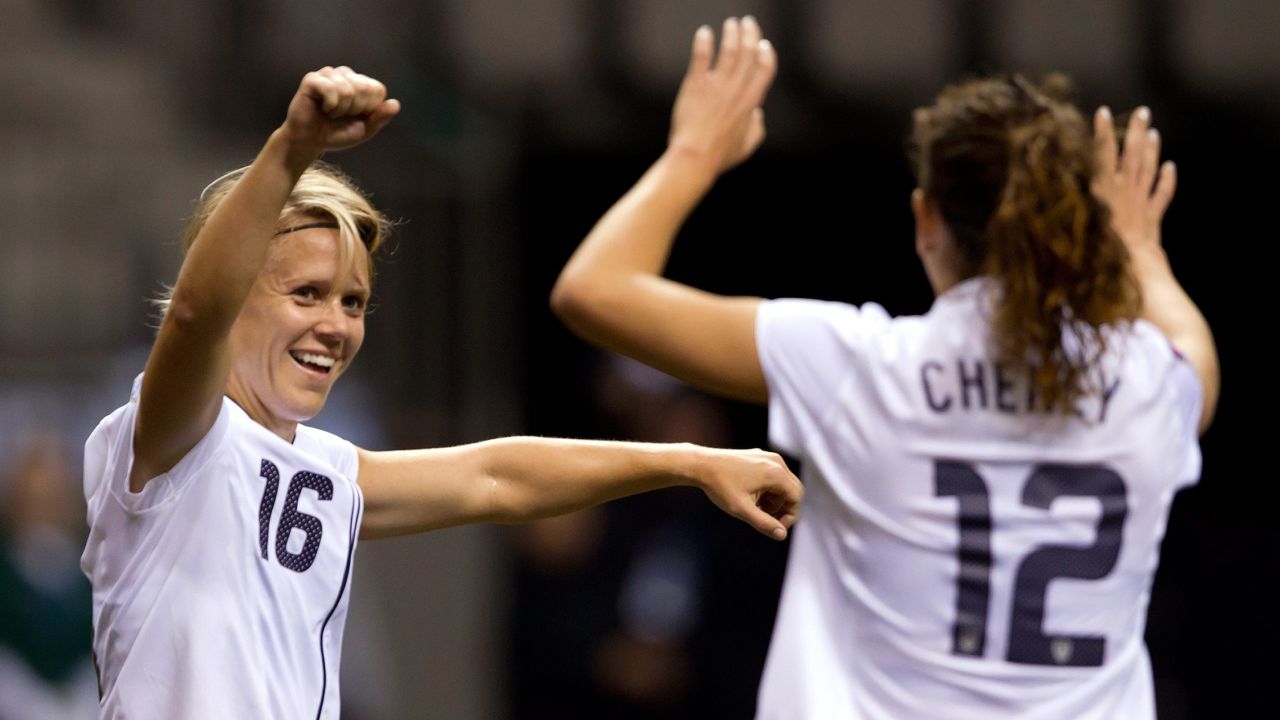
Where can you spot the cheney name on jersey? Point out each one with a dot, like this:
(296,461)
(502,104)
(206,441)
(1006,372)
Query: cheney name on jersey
(963,553)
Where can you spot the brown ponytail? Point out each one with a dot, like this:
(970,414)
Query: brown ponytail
(1009,166)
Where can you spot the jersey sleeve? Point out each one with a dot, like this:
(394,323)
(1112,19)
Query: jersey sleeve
(807,349)
(1188,401)
(99,459)
(337,451)
(1174,401)
(109,460)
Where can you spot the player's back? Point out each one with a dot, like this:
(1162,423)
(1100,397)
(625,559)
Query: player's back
(963,552)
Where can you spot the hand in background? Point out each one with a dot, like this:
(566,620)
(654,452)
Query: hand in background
(717,113)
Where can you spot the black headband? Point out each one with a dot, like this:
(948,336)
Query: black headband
(324,224)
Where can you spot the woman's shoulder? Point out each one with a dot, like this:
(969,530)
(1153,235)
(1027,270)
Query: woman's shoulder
(831,313)
(312,437)
(333,449)
(1141,341)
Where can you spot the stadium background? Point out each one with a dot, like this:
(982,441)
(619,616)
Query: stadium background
(523,121)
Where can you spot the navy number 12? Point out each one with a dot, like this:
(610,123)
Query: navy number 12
(1028,644)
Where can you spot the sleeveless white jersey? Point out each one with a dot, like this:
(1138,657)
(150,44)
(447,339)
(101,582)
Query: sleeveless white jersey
(961,553)
(220,591)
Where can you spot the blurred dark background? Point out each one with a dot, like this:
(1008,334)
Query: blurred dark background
(523,122)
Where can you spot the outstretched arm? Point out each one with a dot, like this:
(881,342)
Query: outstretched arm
(186,372)
(524,478)
(612,293)
(1138,190)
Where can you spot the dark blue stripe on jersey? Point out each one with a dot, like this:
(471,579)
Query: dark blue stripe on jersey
(351,547)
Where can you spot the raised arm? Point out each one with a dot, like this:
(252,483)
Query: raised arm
(186,372)
(612,293)
(1138,190)
(521,478)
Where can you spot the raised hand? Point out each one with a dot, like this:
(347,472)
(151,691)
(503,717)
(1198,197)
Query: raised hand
(337,108)
(1138,190)
(1133,183)
(754,486)
(717,113)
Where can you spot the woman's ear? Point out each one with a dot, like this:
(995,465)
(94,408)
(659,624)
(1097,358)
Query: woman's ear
(934,244)
(927,222)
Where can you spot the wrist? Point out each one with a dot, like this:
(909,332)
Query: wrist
(1148,260)
(296,154)
(691,469)
(697,164)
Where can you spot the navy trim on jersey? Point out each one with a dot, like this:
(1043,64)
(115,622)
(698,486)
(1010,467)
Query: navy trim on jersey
(356,508)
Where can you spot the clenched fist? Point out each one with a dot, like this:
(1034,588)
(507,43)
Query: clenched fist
(337,108)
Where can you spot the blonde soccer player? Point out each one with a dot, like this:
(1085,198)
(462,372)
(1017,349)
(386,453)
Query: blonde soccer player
(223,529)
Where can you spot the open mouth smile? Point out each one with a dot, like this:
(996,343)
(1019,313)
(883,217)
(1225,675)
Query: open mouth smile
(322,364)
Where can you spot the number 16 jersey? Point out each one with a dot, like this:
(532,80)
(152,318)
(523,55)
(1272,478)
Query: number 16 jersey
(220,590)
(963,553)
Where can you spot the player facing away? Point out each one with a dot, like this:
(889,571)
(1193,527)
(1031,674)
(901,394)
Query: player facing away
(222,530)
(988,483)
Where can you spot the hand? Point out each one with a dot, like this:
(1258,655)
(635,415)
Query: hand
(1126,184)
(754,486)
(717,113)
(337,108)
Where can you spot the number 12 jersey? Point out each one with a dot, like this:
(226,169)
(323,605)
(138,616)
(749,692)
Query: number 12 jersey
(963,553)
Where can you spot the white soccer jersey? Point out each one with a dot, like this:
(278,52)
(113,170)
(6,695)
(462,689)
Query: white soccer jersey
(963,554)
(220,591)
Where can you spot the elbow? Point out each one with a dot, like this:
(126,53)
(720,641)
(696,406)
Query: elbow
(578,303)
(569,297)
(514,490)
(182,311)
(189,315)
(497,499)
(508,504)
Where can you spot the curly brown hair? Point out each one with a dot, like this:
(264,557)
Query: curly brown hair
(1009,164)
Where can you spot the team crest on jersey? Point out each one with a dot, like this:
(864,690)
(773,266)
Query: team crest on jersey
(1061,649)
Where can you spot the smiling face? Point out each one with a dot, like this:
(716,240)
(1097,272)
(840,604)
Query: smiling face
(299,329)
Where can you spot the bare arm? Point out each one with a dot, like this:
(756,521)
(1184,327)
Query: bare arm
(523,478)
(187,370)
(612,292)
(1138,190)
